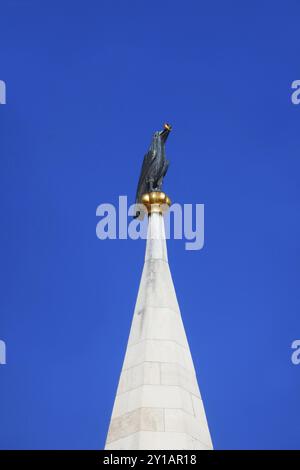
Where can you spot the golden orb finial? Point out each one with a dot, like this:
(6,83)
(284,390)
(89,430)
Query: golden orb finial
(156,201)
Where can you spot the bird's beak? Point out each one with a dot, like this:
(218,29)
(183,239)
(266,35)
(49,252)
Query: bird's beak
(165,132)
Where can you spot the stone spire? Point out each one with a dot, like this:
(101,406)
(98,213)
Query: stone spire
(158,404)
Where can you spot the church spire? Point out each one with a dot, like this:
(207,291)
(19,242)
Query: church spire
(158,403)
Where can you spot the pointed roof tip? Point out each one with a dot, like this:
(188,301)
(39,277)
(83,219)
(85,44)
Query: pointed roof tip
(158,404)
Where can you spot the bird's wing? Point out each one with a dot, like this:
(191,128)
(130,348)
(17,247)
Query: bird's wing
(147,164)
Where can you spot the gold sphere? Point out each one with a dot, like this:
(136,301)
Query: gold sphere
(156,201)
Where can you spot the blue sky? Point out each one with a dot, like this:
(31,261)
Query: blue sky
(87,84)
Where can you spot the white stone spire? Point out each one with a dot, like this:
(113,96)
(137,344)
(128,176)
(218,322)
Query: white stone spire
(158,404)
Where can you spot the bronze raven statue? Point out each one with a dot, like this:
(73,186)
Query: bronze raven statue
(155,165)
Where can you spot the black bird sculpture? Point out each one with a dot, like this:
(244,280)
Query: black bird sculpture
(155,166)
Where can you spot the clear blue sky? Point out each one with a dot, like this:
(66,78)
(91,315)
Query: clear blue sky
(87,84)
